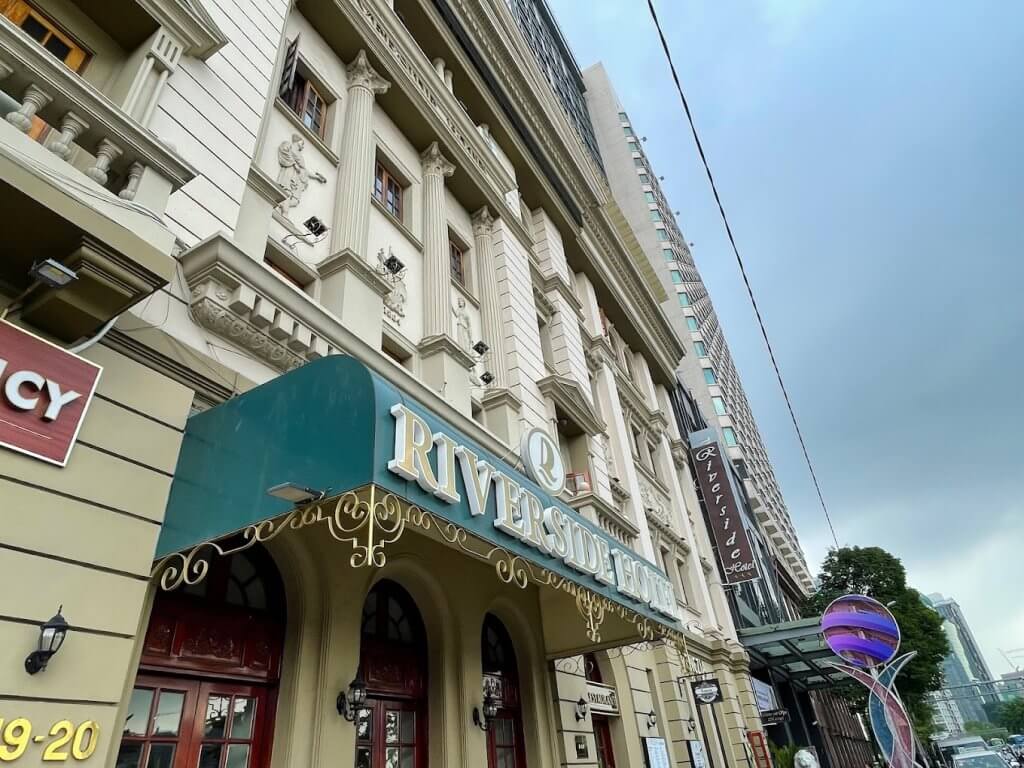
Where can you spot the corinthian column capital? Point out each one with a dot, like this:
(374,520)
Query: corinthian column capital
(361,75)
(436,163)
(483,222)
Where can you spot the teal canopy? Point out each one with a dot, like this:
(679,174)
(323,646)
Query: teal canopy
(328,426)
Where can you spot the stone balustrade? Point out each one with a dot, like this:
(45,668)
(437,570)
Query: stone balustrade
(115,151)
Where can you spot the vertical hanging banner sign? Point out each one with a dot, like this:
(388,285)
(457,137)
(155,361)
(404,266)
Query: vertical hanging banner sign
(734,550)
(44,394)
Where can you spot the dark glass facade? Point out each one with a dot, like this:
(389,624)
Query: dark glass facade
(558,65)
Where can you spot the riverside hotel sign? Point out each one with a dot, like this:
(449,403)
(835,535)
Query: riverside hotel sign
(519,513)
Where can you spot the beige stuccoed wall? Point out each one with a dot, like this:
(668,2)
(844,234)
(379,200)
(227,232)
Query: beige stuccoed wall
(83,537)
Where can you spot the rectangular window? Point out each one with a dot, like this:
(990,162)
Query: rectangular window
(645,179)
(700,349)
(691,323)
(719,405)
(655,215)
(709,376)
(306,102)
(669,254)
(684,299)
(388,191)
(638,162)
(627,130)
(457,262)
(649,197)
(662,235)
(730,435)
(677,278)
(622,116)
(45,32)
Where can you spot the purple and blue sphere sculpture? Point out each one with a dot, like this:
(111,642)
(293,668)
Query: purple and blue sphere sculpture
(861,631)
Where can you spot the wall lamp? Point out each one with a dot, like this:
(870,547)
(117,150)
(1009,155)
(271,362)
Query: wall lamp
(652,719)
(486,378)
(296,494)
(51,638)
(490,711)
(481,347)
(692,724)
(349,703)
(581,709)
(48,272)
(315,226)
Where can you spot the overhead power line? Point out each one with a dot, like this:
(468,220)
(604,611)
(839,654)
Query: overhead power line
(743,270)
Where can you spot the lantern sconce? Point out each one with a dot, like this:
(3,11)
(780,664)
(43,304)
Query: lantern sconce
(350,703)
(692,725)
(581,709)
(652,719)
(490,711)
(51,638)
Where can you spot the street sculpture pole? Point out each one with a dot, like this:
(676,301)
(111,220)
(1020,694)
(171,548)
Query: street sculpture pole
(862,632)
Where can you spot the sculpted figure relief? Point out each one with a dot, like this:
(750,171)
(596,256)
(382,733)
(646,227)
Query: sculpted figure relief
(463,325)
(293,177)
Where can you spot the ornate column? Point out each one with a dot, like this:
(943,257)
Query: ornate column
(447,366)
(437,314)
(355,174)
(501,407)
(352,289)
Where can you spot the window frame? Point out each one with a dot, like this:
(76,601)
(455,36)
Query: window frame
(18,11)
(383,174)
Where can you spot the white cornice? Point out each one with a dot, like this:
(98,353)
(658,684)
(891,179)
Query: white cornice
(190,23)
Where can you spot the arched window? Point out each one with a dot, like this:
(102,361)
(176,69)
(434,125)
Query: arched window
(391,729)
(505,748)
(209,670)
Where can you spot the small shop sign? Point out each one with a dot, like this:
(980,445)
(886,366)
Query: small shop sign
(602,699)
(774,716)
(45,392)
(707,691)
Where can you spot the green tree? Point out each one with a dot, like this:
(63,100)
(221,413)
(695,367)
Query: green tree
(1010,715)
(876,573)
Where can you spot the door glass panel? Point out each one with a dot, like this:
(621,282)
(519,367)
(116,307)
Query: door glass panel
(167,717)
(241,721)
(160,756)
(364,724)
(209,755)
(57,47)
(362,757)
(138,712)
(391,727)
(408,757)
(506,757)
(238,756)
(391,757)
(408,728)
(216,717)
(128,756)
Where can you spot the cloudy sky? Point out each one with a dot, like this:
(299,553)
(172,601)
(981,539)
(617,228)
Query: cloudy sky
(871,158)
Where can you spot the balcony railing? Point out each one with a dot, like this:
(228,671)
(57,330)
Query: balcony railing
(124,157)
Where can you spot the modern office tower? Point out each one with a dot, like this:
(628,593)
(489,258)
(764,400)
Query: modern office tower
(967,655)
(707,369)
(959,690)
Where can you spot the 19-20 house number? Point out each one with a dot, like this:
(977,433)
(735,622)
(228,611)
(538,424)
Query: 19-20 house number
(65,740)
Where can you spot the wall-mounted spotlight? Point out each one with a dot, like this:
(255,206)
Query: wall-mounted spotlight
(490,711)
(393,264)
(52,273)
(581,709)
(315,226)
(486,378)
(296,494)
(51,638)
(481,348)
(692,724)
(349,703)
(652,719)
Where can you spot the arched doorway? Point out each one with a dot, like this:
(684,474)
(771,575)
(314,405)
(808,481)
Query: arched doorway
(505,747)
(391,729)
(208,677)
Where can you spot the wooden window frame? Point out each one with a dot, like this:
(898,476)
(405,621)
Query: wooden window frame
(386,182)
(19,10)
(456,253)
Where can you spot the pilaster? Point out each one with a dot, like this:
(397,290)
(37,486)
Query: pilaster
(355,173)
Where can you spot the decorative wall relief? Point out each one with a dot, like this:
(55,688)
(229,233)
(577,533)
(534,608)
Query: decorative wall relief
(395,301)
(464,332)
(652,502)
(293,177)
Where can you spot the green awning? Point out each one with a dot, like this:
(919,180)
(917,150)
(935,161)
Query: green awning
(329,426)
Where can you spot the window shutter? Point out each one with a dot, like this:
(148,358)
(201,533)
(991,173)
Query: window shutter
(291,62)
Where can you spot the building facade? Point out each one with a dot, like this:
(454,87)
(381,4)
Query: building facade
(708,369)
(369,457)
(965,664)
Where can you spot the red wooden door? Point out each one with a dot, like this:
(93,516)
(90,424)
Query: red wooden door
(179,723)
(603,740)
(390,733)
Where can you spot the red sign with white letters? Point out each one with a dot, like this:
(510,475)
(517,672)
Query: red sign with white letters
(45,392)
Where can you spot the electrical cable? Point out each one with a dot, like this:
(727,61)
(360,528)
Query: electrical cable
(743,270)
